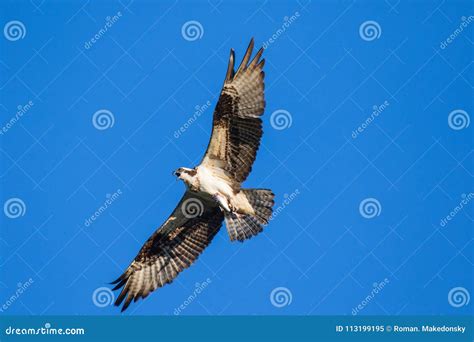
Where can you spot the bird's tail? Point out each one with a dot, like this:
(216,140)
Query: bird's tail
(244,226)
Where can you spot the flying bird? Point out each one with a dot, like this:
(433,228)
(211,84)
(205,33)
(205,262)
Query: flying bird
(213,188)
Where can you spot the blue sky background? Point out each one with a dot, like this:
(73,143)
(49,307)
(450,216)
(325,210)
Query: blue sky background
(327,78)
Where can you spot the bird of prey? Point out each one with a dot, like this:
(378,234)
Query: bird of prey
(213,188)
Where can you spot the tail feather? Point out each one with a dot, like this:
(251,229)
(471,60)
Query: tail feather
(243,226)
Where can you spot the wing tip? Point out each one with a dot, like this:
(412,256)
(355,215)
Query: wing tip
(230,67)
(127,303)
(252,42)
(245,60)
(119,279)
(248,63)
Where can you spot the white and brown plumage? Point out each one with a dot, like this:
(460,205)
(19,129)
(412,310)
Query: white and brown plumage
(213,191)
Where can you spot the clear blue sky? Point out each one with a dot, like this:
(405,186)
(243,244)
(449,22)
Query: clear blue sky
(323,69)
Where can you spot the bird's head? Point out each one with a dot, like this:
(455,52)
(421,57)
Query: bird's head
(185,174)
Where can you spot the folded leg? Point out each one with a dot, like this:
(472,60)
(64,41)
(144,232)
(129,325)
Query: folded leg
(223,202)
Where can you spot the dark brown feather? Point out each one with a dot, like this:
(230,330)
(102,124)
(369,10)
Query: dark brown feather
(237,127)
(171,249)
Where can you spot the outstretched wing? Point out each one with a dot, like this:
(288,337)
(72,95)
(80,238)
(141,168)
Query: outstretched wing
(171,248)
(237,127)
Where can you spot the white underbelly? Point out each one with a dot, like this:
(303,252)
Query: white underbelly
(211,184)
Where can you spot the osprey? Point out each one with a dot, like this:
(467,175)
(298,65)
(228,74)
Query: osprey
(213,188)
